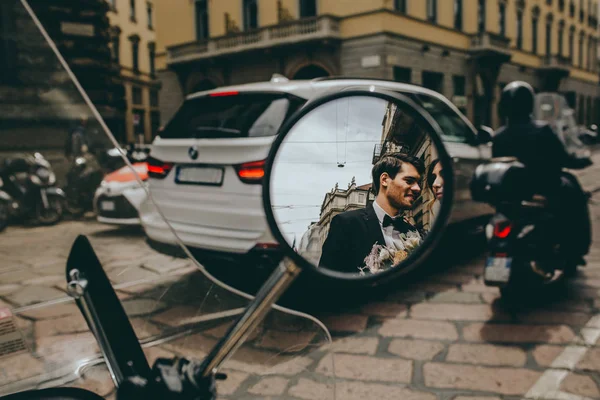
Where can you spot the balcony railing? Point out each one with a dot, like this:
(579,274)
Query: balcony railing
(556,62)
(491,46)
(489,41)
(380,150)
(323,27)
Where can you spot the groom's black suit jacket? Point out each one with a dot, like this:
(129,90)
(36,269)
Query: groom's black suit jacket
(351,237)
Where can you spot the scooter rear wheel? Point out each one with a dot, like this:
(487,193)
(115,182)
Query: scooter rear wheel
(51,215)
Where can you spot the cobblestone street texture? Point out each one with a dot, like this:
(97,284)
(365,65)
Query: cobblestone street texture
(445,337)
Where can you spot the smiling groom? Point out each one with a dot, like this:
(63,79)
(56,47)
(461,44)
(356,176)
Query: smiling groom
(353,234)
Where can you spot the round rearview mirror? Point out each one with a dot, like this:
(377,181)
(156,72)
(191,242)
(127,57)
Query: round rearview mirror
(358,185)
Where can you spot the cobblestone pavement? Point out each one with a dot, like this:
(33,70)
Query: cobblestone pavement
(445,337)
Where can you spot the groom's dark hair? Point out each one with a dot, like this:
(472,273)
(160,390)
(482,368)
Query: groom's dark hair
(392,163)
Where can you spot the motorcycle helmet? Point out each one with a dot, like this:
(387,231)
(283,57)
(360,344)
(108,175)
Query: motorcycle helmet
(517,101)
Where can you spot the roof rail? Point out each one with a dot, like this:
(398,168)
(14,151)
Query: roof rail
(363,78)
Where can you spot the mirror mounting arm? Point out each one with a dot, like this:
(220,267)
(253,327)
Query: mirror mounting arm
(182,379)
(268,294)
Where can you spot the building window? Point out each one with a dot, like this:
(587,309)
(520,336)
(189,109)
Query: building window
(139,127)
(460,84)
(481,16)
(581,40)
(153,98)
(432,10)
(8,44)
(458,14)
(250,14)
(502,18)
(519,29)
(561,5)
(136,95)
(581,13)
(150,12)
(572,9)
(135,52)
(561,34)
(400,6)
(154,122)
(403,75)
(549,35)
(591,52)
(132,10)
(116,49)
(572,44)
(152,57)
(433,81)
(308,8)
(534,34)
(201,10)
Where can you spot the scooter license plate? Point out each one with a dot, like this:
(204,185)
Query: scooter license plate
(497,269)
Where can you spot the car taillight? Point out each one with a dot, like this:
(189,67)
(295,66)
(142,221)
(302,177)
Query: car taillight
(502,229)
(251,172)
(158,169)
(224,94)
(267,246)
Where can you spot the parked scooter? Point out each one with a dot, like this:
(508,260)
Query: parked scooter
(83,178)
(29,182)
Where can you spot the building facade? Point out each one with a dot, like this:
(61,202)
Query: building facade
(39,104)
(464,49)
(133,46)
(335,202)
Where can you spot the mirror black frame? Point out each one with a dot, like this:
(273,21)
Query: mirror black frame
(422,252)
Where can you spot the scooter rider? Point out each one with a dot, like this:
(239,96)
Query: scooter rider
(537,146)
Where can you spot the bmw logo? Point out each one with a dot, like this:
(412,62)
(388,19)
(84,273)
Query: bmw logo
(193,152)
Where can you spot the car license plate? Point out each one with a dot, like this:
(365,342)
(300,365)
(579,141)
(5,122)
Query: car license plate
(107,205)
(200,175)
(497,269)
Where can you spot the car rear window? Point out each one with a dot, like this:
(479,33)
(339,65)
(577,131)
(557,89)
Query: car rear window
(453,126)
(234,115)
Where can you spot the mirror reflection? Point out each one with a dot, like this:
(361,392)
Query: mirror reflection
(356,185)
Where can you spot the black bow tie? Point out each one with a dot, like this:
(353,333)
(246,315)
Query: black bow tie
(397,222)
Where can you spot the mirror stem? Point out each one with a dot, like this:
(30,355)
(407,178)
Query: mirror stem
(267,295)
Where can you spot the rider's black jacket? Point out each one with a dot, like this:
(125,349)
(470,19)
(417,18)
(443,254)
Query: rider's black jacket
(536,145)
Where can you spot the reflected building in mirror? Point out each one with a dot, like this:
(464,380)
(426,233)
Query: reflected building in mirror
(401,134)
(335,202)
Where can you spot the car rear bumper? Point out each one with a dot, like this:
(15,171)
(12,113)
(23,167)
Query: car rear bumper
(228,240)
(256,257)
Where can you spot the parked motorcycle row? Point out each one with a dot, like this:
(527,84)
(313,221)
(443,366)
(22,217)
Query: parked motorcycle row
(29,192)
